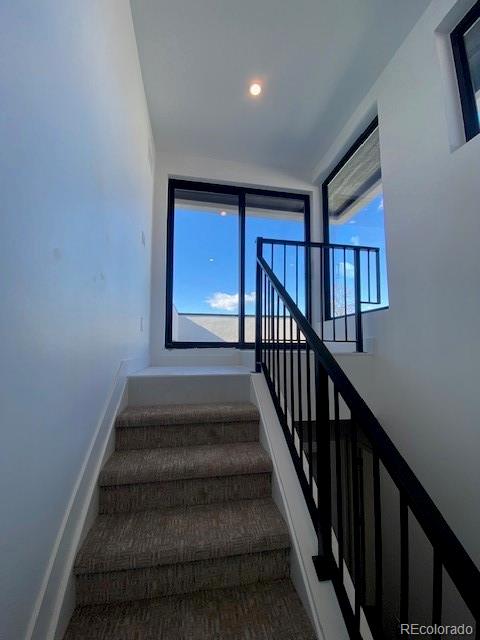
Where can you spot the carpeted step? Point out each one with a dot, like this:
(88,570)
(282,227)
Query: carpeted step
(270,611)
(186,425)
(144,479)
(181,549)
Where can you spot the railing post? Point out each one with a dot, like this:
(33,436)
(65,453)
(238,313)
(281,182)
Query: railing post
(258,309)
(358,304)
(323,562)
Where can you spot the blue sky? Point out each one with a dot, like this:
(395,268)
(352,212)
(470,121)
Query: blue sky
(366,228)
(206,254)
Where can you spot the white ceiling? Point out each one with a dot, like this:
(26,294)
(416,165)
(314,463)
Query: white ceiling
(316,59)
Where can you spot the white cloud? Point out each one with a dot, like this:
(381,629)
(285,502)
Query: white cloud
(355,240)
(346,267)
(380,206)
(228,301)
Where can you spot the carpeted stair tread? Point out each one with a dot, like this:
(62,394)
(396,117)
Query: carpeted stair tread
(127,498)
(177,414)
(181,534)
(263,611)
(178,463)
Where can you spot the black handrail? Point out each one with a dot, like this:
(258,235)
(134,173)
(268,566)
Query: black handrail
(448,551)
(303,243)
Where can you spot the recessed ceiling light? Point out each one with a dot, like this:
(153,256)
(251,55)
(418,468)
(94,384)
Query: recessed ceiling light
(255,89)
(223,213)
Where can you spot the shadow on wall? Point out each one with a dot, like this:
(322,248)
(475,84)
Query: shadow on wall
(210,327)
(186,328)
(191,329)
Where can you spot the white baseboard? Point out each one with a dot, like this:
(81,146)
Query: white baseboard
(318,598)
(56,598)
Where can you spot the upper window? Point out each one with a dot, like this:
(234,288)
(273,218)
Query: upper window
(353,215)
(466,52)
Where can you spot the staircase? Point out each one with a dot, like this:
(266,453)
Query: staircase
(188,542)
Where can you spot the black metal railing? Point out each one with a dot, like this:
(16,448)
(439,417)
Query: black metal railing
(346,277)
(392,557)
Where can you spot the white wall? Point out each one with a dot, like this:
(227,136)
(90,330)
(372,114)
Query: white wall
(75,197)
(208,170)
(427,348)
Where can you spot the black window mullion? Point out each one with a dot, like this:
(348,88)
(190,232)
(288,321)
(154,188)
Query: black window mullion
(308,264)
(169,273)
(241,270)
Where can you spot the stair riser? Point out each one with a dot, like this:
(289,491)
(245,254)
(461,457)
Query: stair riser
(143,497)
(152,582)
(152,437)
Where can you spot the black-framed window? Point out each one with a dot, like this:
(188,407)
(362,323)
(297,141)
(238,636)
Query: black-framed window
(466,52)
(211,258)
(353,214)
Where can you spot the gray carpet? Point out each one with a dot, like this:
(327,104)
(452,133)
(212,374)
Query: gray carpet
(206,461)
(128,498)
(262,611)
(170,414)
(146,479)
(186,514)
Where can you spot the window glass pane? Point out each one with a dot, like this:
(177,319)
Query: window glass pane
(472,46)
(205,267)
(280,219)
(356,217)
(355,178)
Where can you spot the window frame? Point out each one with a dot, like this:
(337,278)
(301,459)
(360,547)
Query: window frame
(464,79)
(352,149)
(241,193)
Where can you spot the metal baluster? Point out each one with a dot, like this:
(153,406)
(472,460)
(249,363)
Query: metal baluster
(323,292)
(368,267)
(361,505)
(292,383)
(285,361)
(333,294)
(309,415)
(264,318)
(377,275)
(404,562)
(345,292)
(274,359)
(258,310)
(308,288)
(296,275)
(322,436)
(356,526)
(269,321)
(338,470)
(278,346)
(437,591)
(300,395)
(358,306)
(377,513)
